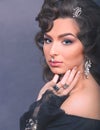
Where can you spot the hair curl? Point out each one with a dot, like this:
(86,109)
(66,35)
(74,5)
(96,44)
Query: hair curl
(89,24)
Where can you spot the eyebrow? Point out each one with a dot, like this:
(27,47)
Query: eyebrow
(66,34)
(62,35)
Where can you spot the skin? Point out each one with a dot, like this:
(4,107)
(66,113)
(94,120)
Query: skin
(61,44)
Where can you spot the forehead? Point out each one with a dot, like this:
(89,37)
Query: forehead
(64,25)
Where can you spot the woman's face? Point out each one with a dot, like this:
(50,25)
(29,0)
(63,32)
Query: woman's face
(61,44)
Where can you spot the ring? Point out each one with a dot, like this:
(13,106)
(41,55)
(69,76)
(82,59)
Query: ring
(56,88)
(65,86)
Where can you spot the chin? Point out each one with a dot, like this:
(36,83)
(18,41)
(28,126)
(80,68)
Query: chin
(58,72)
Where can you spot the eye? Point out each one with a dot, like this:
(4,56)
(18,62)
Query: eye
(47,40)
(67,42)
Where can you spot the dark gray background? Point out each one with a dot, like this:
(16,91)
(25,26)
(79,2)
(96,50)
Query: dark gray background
(20,76)
(20,69)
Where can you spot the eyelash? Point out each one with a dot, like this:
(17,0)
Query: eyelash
(47,40)
(65,42)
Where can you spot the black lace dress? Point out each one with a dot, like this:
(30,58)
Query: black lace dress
(46,114)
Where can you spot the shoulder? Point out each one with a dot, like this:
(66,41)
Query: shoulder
(85,103)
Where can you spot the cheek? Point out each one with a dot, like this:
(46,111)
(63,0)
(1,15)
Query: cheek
(73,57)
(45,51)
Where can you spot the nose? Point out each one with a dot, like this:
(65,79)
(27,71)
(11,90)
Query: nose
(54,50)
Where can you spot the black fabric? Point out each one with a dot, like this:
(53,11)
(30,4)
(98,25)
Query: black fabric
(71,122)
(50,117)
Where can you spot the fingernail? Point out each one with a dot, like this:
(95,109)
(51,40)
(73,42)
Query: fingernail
(55,78)
(79,72)
(68,71)
(75,68)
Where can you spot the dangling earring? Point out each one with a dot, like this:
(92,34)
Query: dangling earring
(87,67)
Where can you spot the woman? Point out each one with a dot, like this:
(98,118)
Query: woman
(69,39)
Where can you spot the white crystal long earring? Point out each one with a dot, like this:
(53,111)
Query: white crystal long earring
(88,65)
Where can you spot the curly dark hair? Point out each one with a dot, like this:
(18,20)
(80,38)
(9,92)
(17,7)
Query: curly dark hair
(88,22)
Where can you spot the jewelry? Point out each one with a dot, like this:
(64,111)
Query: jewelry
(56,88)
(65,86)
(31,124)
(77,12)
(87,67)
(52,59)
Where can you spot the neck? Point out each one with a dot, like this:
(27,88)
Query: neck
(82,83)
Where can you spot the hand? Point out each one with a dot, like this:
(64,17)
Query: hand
(70,79)
(68,82)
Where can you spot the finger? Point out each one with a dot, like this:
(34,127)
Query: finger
(62,82)
(55,78)
(52,82)
(73,84)
(76,79)
(68,77)
(65,77)
(49,85)
(72,75)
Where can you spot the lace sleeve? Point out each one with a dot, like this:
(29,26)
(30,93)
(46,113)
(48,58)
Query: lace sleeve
(42,112)
(25,118)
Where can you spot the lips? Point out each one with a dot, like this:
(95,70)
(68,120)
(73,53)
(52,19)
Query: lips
(55,63)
